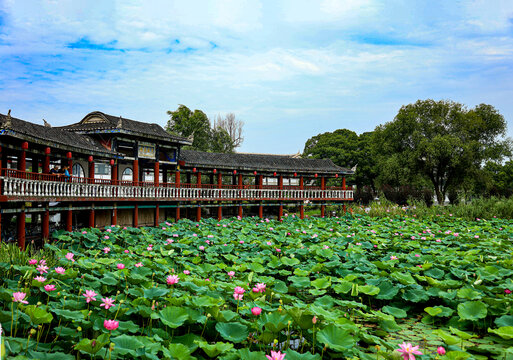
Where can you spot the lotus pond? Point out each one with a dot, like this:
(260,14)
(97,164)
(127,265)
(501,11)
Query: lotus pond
(349,288)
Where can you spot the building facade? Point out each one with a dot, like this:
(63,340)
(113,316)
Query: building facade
(126,172)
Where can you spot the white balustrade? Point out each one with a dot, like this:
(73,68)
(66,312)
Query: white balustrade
(23,188)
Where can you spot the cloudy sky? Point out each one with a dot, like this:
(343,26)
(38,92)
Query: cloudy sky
(289,69)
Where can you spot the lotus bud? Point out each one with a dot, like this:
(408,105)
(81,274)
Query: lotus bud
(93,343)
(209,315)
(111,346)
(33,332)
(39,303)
(121,301)
(118,292)
(79,329)
(90,312)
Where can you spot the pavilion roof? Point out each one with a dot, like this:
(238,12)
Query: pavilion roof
(260,162)
(117,124)
(51,136)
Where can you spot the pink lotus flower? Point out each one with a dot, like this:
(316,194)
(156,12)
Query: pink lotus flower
(278,250)
(172,279)
(276,355)
(393,257)
(175,235)
(237,296)
(202,247)
(110,324)
(440,350)
(260,287)
(106,250)
(417,255)
(256,311)
(120,266)
(149,248)
(210,236)
(358,243)
(239,290)
(106,237)
(408,351)
(32,261)
(507,291)
(186,272)
(269,243)
(127,251)
(49,287)
(314,320)
(109,230)
(90,295)
(40,278)
(84,232)
(139,264)
(231,274)
(69,256)
(107,303)
(60,270)
(42,262)
(19,297)
(43,269)
(169,241)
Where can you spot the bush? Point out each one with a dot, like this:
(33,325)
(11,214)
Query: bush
(364,195)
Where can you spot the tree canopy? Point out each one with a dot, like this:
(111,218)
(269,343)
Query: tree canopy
(440,142)
(223,137)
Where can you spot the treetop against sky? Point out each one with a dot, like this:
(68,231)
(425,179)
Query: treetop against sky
(288,69)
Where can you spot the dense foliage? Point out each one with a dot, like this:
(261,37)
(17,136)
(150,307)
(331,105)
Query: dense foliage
(353,287)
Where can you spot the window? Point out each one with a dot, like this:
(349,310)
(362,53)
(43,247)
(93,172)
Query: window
(78,170)
(127,175)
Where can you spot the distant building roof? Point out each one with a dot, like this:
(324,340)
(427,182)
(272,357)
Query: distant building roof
(50,136)
(260,162)
(98,122)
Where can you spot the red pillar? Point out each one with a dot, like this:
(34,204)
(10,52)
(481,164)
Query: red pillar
(136,216)
(70,162)
(157,215)
(114,173)
(91,218)
(344,188)
(114,219)
(323,187)
(46,163)
(135,175)
(198,210)
(177,182)
(22,161)
(240,186)
(219,185)
(45,225)
(260,186)
(301,207)
(21,229)
(90,173)
(69,220)
(280,186)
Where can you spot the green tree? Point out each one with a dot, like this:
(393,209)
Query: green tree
(221,141)
(345,148)
(186,123)
(440,142)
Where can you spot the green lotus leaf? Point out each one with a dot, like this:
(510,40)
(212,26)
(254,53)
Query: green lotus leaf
(38,315)
(469,294)
(395,312)
(335,338)
(93,346)
(173,316)
(505,320)
(299,281)
(54,355)
(369,289)
(387,290)
(126,344)
(457,355)
(403,278)
(505,332)
(461,334)
(215,349)
(446,337)
(69,315)
(245,354)
(294,355)
(234,332)
(206,301)
(289,261)
(275,321)
(155,293)
(433,311)
(179,351)
(472,310)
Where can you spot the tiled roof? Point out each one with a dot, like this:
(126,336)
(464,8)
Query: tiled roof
(261,162)
(110,123)
(51,136)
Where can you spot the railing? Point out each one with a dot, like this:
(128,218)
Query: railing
(25,185)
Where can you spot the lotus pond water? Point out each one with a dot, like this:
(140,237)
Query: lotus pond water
(353,287)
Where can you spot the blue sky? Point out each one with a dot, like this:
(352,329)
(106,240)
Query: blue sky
(289,69)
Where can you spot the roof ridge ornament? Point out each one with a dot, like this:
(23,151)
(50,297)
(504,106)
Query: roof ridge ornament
(120,122)
(47,124)
(7,122)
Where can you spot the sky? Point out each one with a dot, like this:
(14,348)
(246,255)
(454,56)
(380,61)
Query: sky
(289,69)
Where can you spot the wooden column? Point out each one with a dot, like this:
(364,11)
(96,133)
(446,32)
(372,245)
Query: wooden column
(22,160)
(301,207)
(136,215)
(156,182)
(45,224)
(219,185)
(114,172)
(198,209)
(46,161)
(69,220)
(260,186)
(92,217)
(21,229)
(280,186)
(323,187)
(90,171)
(240,186)
(344,188)
(114,219)
(177,185)
(69,155)
(135,172)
